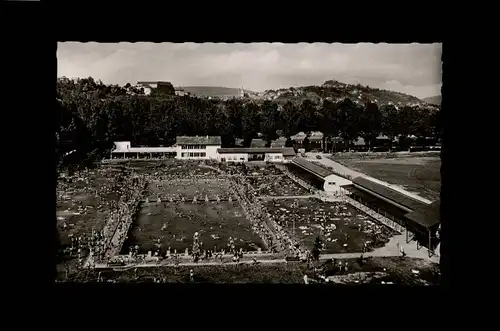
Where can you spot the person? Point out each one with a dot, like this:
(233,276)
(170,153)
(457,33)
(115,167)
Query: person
(402,250)
(306,280)
(191,276)
(397,247)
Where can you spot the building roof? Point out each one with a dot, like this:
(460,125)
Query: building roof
(427,216)
(198,140)
(298,136)
(377,202)
(360,142)
(258,143)
(280,142)
(389,193)
(244,150)
(316,135)
(146,150)
(288,151)
(311,167)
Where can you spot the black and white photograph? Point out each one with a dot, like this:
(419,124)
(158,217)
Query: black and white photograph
(248,163)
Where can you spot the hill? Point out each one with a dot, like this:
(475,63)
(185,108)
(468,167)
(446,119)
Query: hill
(213,91)
(435,100)
(336,91)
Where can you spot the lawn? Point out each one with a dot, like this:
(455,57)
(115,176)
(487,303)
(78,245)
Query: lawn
(342,228)
(175,223)
(420,175)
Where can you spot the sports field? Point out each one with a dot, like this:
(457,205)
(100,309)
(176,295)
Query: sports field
(420,175)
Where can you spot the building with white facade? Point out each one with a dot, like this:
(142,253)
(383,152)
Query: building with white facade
(280,155)
(334,183)
(123,150)
(147,86)
(202,147)
(197,147)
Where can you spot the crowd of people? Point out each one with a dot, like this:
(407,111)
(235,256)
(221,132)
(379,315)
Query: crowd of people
(81,243)
(274,235)
(131,190)
(298,180)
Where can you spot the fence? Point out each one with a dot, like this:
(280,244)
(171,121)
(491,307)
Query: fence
(384,219)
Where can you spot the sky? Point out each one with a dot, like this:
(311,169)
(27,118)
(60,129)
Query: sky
(414,69)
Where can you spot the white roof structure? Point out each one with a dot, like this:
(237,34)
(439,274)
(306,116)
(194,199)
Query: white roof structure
(124,147)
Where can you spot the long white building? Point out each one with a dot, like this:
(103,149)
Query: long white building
(123,150)
(202,147)
(186,148)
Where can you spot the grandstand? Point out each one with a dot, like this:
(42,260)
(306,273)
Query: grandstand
(419,218)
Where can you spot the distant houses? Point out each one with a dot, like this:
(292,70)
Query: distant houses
(179,91)
(314,141)
(278,143)
(257,142)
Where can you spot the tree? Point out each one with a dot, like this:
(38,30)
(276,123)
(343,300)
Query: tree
(315,252)
(306,144)
(91,115)
(307,120)
(390,121)
(290,115)
(370,123)
(165,88)
(270,118)
(327,121)
(349,115)
(250,122)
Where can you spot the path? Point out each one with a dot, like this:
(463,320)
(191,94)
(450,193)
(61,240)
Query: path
(286,197)
(189,199)
(188,264)
(389,249)
(338,168)
(347,172)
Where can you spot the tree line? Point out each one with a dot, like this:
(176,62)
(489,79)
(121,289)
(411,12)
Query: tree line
(92,115)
